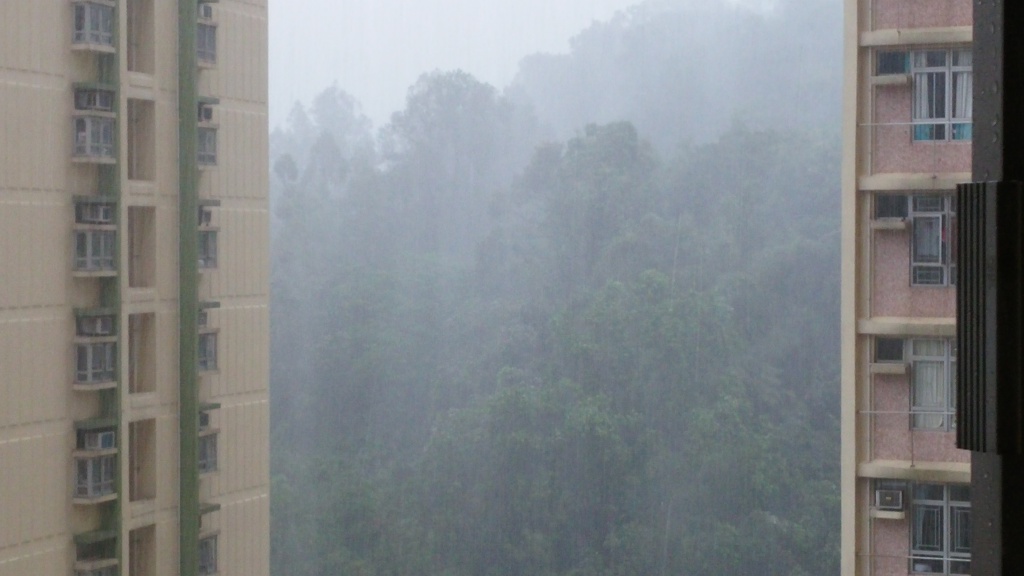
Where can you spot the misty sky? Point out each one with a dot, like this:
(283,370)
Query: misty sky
(375,49)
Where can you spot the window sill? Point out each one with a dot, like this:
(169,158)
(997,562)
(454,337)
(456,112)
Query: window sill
(80,453)
(99,564)
(891,368)
(888,514)
(94,160)
(891,80)
(94,273)
(89,47)
(894,224)
(86,501)
(90,387)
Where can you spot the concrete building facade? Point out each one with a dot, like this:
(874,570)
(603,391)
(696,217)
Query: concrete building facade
(907,143)
(134,328)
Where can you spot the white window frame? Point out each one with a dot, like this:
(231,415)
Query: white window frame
(94,136)
(94,99)
(94,477)
(939,414)
(99,213)
(208,555)
(937,113)
(206,149)
(207,249)
(947,521)
(93,23)
(206,43)
(207,453)
(933,221)
(95,362)
(95,250)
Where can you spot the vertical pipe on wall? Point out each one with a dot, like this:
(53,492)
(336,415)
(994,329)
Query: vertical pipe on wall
(188,282)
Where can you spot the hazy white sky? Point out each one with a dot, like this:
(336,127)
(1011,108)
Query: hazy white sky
(375,49)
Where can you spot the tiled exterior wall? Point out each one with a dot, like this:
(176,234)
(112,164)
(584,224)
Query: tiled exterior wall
(892,294)
(891,435)
(920,13)
(894,149)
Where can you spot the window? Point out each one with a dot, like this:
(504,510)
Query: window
(95,362)
(208,556)
(892,63)
(208,351)
(142,551)
(94,476)
(204,420)
(207,150)
(87,325)
(141,353)
(206,43)
(94,99)
(94,137)
(942,94)
(208,453)
(95,212)
(888,349)
(933,394)
(141,246)
(891,206)
(933,245)
(941,530)
(142,460)
(208,249)
(94,250)
(94,24)
(96,439)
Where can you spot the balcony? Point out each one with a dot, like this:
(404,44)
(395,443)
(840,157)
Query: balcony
(94,26)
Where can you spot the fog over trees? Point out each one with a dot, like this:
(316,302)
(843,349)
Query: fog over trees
(585,324)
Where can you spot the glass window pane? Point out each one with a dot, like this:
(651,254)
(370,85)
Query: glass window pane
(931,348)
(927,239)
(929,492)
(928,528)
(960,535)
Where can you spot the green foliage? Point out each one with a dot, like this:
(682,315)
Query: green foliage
(578,358)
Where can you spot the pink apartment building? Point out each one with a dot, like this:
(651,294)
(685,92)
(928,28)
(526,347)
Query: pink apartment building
(907,143)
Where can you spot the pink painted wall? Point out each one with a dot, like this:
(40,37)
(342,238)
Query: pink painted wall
(892,437)
(891,546)
(892,294)
(920,13)
(894,149)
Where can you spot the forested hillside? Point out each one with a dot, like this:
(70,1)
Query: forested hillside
(504,347)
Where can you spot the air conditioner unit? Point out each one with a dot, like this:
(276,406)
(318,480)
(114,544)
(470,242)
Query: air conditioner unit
(96,326)
(205,11)
(889,500)
(205,113)
(98,440)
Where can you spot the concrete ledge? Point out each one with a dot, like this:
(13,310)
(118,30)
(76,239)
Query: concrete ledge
(912,181)
(939,472)
(917,36)
(894,326)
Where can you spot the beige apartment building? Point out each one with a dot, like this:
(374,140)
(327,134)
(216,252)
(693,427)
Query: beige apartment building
(133,298)
(906,502)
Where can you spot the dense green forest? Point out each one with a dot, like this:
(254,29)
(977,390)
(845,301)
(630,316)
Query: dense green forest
(504,344)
